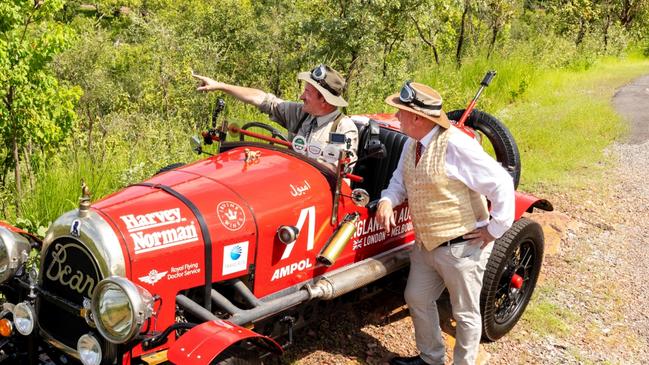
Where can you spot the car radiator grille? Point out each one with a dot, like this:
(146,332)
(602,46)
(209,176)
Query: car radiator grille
(69,272)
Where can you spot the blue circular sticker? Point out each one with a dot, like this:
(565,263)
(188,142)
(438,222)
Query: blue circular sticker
(236,252)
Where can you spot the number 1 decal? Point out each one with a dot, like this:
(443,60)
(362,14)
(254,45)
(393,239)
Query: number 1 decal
(304,214)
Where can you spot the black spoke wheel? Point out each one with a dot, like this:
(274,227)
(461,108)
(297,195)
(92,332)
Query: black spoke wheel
(499,136)
(273,132)
(510,277)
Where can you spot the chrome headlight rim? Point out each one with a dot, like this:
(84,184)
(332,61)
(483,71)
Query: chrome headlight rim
(140,303)
(87,346)
(24,315)
(14,251)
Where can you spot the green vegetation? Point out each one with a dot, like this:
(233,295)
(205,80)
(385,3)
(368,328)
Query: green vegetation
(103,91)
(543,316)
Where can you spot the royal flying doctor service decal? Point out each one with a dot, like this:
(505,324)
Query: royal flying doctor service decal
(159,230)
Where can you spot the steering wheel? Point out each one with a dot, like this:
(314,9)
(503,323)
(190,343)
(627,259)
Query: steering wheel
(273,131)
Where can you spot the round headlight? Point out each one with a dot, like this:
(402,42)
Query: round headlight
(14,250)
(120,308)
(89,350)
(24,318)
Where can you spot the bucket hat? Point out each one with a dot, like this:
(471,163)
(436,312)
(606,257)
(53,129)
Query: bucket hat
(328,82)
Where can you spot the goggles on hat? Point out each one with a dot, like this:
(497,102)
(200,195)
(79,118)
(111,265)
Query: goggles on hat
(318,75)
(408,95)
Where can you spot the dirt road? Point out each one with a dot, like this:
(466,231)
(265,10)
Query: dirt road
(592,303)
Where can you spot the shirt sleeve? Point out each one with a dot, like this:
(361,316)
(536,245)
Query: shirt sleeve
(469,163)
(396,190)
(288,114)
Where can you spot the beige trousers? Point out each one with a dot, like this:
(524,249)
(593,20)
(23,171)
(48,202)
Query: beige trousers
(460,268)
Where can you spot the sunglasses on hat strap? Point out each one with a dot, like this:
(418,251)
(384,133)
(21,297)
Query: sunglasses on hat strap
(318,75)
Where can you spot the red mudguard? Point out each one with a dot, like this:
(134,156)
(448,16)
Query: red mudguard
(526,202)
(205,342)
(17,230)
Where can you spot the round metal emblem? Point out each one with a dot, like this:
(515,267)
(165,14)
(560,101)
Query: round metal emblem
(231,215)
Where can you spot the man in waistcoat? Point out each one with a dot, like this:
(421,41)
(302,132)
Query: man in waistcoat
(314,118)
(445,175)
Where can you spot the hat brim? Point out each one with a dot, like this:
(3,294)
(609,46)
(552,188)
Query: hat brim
(328,96)
(442,119)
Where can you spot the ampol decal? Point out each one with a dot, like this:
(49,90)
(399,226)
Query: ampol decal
(290,269)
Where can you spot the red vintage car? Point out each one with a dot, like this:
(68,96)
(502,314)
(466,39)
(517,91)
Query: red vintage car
(207,263)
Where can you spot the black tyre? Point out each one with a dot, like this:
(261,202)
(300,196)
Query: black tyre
(500,137)
(169,167)
(237,356)
(519,252)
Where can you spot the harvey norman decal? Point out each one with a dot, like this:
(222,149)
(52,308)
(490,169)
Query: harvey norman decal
(151,241)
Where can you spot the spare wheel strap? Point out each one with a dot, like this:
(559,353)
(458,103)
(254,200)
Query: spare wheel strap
(204,231)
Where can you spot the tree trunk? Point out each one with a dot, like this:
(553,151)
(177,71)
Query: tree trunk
(430,42)
(350,70)
(494,36)
(606,26)
(9,99)
(460,39)
(17,173)
(581,33)
(628,13)
(28,150)
(5,169)
(387,49)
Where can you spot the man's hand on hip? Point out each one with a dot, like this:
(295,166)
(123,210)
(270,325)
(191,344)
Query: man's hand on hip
(385,215)
(479,236)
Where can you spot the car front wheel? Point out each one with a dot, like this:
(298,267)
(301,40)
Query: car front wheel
(510,277)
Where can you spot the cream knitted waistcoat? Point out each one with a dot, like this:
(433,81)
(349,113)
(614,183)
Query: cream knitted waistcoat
(441,208)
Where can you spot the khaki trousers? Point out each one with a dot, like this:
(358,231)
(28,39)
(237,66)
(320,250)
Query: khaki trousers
(460,268)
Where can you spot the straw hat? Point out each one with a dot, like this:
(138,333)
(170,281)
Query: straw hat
(421,100)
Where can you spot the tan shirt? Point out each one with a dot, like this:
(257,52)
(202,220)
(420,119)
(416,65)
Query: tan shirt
(289,114)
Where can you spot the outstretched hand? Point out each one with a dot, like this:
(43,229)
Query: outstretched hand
(206,83)
(479,236)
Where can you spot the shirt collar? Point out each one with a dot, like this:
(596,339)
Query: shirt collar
(324,119)
(429,136)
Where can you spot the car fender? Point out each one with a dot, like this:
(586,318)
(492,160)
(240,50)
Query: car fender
(205,342)
(527,202)
(19,231)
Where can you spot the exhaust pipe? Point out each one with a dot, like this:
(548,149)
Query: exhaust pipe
(337,243)
(326,288)
(364,272)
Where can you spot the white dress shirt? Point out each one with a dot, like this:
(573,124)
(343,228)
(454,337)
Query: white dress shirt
(468,162)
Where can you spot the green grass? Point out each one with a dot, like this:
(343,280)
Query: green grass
(562,121)
(566,120)
(543,316)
